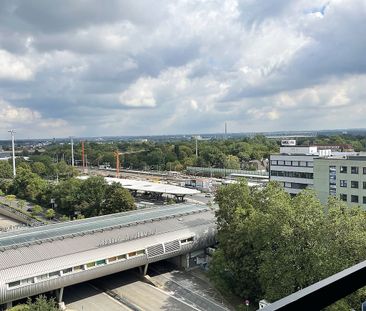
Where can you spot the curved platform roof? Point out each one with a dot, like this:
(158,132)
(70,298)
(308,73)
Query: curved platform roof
(95,224)
(147,186)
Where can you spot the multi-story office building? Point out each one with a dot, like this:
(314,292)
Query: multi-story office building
(293,167)
(343,177)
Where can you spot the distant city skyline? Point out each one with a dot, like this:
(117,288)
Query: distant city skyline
(136,68)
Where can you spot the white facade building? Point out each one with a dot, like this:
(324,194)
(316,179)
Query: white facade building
(293,167)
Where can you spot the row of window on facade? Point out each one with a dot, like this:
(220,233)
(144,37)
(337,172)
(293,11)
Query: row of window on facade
(354,198)
(354,184)
(293,185)
(292,174)
(292,163)
(87,266)
(354,169)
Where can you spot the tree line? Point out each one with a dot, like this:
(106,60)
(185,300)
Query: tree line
(70,197)
(271,244)
(177,155)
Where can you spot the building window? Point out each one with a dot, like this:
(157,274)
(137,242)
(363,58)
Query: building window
(42,277)
(141,252)
(354,198)
(112,259)
(121,257)
(364,185)
(292,174)
(288,163)
(288,185)
(273,162)
(101,262)
(66,271)
(343,197)
(27,281)
(90,265)
(343,169)
(354,170)
(303,163)
(79,268)
(354,184)
(364,200)
(185,241)
(364,170)
(54,274)
(295,163)
(132,254)
(343,183)
(14,284)
(310,164)
(281,162)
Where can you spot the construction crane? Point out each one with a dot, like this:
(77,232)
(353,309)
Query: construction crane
(117,154)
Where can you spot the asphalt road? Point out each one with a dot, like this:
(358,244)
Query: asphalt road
(189,288)
(84,297)
(141,295)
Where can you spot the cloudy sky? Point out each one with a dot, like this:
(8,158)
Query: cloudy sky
(139,67)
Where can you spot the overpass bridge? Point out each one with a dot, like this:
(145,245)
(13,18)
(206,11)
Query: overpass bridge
(51,257)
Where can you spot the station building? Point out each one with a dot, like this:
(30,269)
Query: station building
(52,257)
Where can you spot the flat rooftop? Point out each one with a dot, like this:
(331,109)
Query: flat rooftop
(147,186)
(95,224)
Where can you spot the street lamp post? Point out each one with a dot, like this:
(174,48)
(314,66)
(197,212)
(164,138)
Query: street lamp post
(12,132)
(72,151)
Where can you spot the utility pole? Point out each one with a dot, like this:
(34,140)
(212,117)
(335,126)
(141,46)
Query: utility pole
(196,148)
(72,152)
(12,132)
(83,155)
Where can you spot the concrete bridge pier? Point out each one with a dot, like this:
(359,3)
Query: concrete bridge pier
(143,269)
(59,298)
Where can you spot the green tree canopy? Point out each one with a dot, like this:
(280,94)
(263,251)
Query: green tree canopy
(6,170)
(41,303)
(117,200)
(28,185)
(271,245)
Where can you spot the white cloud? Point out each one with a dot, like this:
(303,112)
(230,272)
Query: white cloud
(14,67)
(183,66)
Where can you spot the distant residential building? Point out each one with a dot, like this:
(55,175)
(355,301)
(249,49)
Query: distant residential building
(343,177)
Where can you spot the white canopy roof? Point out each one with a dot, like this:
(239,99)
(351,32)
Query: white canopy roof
(141,185)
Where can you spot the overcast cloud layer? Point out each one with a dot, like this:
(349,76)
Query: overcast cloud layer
(92,68)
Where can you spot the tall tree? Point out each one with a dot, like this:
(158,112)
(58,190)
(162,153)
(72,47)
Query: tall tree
(117,200)
(6,170)
(271,245)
